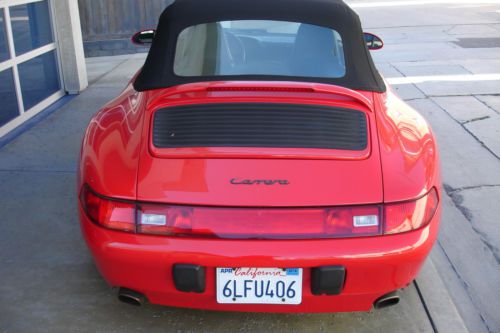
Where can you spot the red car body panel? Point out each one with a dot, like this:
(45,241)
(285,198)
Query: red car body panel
(401,163)
(375,265)
(112,144)
(201,176)
(410,158)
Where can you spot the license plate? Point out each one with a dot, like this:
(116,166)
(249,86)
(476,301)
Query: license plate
(259,286)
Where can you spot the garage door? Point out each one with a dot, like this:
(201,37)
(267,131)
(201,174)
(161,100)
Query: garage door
(30,77)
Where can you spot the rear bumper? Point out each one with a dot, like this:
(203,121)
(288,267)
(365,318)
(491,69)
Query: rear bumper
(374,265)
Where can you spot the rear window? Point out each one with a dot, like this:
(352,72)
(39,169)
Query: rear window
(259,47)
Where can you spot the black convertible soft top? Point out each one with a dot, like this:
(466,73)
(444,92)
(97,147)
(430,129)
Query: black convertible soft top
(158,71)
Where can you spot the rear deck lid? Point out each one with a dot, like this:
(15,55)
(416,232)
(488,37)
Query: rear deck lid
(261,154)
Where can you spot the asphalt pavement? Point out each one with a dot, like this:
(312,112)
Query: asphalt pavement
(443,57)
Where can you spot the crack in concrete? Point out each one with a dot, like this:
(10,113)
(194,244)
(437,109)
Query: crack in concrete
(426,308)
(97,79)
(481,142)
(458,201)
(458,95)
(466,69)
(475,119)
(453,190)
(465,128)
(486,104)
(397,69)
(447,31)
(414,85)
(466,287)
(415,99)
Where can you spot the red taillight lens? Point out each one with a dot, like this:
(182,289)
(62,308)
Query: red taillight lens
(354,221)
(259,223)
(266,223)
(110,214)
(412,215)
(164,220)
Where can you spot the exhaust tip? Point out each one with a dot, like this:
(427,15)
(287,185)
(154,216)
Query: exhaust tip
(131,297)
(387,300)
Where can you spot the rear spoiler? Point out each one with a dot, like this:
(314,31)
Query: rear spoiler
(263,86)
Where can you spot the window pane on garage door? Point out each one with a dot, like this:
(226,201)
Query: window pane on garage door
(8,100)
(39,79)
(31,26)
(4,49)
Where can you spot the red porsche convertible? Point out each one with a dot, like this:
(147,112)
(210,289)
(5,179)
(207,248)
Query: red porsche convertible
(257,162)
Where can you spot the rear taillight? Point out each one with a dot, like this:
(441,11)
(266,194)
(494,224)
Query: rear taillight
(259,223)
(111,214)
(411,215)
(263,223)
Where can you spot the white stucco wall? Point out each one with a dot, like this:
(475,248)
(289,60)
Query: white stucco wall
(69,36)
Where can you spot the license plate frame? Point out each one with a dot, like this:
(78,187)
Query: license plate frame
(250,285)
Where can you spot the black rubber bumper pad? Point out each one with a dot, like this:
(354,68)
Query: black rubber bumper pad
(327,280)
(189,278)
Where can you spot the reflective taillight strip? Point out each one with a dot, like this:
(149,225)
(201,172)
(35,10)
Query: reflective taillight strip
(411,215)
(111,214)
(259,223)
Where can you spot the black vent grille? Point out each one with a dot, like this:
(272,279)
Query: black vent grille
(260,125)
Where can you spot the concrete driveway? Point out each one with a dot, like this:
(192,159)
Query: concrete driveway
(441,56)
